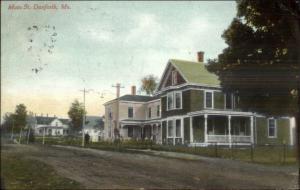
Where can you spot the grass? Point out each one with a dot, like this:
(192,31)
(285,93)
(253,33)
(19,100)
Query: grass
(20,173)
(269,155)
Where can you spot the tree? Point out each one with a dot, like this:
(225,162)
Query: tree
(149,84)
(76,113)
(261,62)
(8,122)
(20,116)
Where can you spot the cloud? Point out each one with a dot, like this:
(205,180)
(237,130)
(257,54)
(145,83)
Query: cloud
(146,31)
(96,33)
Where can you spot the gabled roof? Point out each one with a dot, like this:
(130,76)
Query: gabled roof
(192,72)
(195,72)
(137,98)
(40,120)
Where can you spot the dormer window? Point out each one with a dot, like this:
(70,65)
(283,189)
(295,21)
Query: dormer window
(174,77)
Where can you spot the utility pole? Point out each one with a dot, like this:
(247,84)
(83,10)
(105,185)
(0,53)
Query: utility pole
(12,129)
(83,119)
(118,87)
(44,136)
(20,136)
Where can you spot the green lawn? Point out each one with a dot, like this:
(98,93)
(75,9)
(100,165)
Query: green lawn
(18,173)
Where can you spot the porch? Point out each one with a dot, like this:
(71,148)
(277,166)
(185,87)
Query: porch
(141,132)
(221,129)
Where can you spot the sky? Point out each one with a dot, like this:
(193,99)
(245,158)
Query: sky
(49,55)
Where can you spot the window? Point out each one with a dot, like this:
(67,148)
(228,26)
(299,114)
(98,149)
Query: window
(208,99)
(178,100)
(174,77)
(130,112)
(174,100)
(228,101)
(149,112)
(170,101)
(170,128)
(109,113)
(178,128)
(130,131)
(174,128)
(158,111)
(272,128)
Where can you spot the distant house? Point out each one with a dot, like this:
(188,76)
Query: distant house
(51,126)
(189,107)
(94,127)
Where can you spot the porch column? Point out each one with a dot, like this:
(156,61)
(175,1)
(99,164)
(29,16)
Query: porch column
(229,128)
(191,130)
(152,132)
(205,128)
(161,139)
(142,131)
(251,129)
(182,130)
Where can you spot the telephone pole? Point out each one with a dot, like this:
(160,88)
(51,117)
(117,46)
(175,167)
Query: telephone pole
(83,119)
(118,87)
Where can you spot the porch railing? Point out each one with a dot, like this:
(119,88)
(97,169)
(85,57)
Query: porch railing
(225,138)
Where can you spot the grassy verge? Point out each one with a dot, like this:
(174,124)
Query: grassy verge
(20,173)
(269,155)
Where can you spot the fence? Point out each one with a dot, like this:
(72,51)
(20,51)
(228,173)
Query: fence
(266,154)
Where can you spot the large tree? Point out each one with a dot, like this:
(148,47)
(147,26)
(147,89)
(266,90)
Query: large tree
(261,62)
(20,116)
(76,113)
(149,84)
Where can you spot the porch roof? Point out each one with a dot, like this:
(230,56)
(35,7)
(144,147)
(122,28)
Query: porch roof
(221,112)
(139,122)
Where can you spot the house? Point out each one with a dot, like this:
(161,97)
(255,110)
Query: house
(94,127)
(190,108)
(51,126)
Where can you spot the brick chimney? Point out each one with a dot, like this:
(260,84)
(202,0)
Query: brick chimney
(133,90)
(200,55)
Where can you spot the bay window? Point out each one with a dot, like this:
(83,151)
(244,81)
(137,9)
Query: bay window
(174,132)
(174,100)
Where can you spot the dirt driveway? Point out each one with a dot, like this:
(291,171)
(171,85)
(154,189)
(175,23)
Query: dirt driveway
(105,169)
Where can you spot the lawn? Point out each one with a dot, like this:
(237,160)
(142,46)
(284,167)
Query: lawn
(18,173)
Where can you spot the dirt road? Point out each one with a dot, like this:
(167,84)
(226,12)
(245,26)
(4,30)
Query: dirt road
(105,169)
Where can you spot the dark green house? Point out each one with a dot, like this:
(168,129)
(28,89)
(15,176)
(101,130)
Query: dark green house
(190,108)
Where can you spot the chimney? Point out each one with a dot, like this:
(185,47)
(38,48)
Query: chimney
(133,90)
(200,56)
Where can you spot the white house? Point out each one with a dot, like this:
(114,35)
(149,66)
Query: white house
(51,126)
(94,127)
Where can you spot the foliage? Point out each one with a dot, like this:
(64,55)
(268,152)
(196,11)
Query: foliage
(76,113)
(261,62)
(8,119)
(20,115)
(149,84)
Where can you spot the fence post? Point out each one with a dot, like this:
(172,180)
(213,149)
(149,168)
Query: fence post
(231,150)
(216,149)
(251,153)
(284,152)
